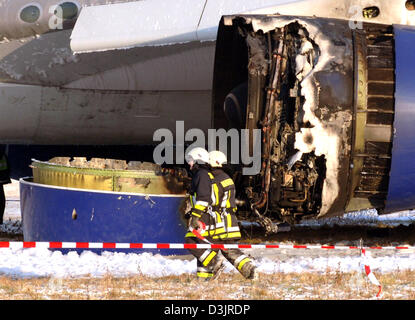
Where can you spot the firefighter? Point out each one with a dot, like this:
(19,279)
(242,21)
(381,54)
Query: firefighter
(202,223)
(4,179)
(223,202)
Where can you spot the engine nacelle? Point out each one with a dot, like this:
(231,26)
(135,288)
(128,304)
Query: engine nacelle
(335,104)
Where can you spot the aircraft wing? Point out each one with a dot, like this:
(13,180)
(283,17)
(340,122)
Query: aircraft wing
(164,22)
(139,23)
(154,22)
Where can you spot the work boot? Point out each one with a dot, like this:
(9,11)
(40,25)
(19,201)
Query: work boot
(218,267)
(254,274)
(204,273)
(249,271)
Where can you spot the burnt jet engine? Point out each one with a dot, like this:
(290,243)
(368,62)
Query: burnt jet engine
(335,103)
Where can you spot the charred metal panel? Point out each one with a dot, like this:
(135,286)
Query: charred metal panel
(107,175)
(323,95)
(373,117)
(304,110)
(401,191)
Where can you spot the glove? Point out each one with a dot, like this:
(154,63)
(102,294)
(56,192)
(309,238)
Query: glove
(194,222)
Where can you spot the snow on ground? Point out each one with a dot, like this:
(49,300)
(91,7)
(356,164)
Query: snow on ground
(368,218)
(40,262)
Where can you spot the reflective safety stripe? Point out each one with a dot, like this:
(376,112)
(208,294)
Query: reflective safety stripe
(233,229)
(229,221)
(206,233)
(216,231)
(201,203)
(225,199)
(228,235)
(241,264)
(215,235)
(204,255)
(239,259)
(226,183)
(204,274)
(218,218)
(228,202)
(213,227)
(196,214)
(215,195)
(209,258)
(200,207)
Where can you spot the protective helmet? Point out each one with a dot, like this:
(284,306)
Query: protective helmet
(217,158)
(198,155)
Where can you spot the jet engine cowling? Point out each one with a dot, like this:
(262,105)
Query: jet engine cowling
(333,103)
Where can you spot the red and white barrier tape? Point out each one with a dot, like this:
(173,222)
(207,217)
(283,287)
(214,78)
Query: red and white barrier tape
(370,274)
(114,245)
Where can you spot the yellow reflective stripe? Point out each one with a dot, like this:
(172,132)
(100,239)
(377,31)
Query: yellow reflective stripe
(220,236)
(199,207)
(228,203)
(229,220)
(196,214)
(211,175)
(216,231)
(241,264)
(192,235)
(209,258)
(218,218)
(191,201)
(228,235)
(226,183)
(216,191)
(204,274)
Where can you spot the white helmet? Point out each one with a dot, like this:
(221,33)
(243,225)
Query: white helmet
(198,154)
(217,158)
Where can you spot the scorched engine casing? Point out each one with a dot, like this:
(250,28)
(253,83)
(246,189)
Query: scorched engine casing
(334,101)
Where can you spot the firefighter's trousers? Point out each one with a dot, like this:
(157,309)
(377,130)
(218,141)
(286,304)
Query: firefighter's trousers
(209,260)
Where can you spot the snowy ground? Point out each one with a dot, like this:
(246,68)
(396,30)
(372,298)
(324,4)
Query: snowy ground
(38,262)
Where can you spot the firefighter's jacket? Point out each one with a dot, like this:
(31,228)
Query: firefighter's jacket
(4,170)
(213,201)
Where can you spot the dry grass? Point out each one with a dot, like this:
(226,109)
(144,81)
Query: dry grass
(305,286)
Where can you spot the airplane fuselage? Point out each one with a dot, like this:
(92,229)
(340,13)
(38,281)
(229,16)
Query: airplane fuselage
(49,95)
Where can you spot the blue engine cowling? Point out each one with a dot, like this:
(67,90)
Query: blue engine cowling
(401,190)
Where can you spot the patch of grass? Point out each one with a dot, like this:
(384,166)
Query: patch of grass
(279,286)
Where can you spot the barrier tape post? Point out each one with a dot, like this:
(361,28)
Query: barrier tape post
(368,271)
